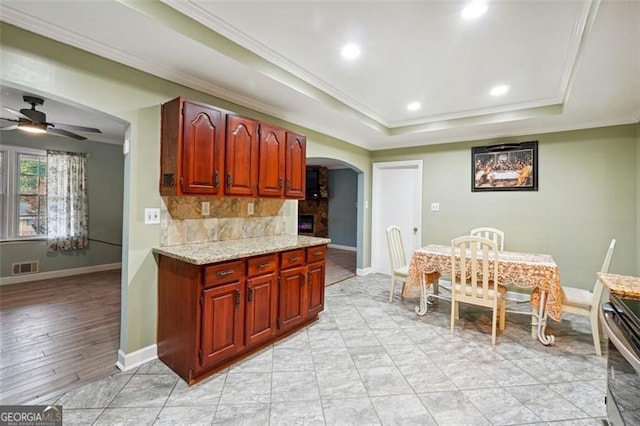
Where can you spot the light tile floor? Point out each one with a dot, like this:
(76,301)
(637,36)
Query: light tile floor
(369,362)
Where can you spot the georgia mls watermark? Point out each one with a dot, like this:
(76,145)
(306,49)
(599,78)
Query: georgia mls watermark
(30,415)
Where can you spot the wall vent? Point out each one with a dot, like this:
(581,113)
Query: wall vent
(22,268)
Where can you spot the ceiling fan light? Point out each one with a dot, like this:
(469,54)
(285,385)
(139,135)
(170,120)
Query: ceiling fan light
(474,10)
(32,128)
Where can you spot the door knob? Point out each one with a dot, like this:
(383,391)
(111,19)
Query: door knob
(415,229)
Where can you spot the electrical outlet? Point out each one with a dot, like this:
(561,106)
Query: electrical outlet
(250,209)
(151,216)
(206,208)
(435,207)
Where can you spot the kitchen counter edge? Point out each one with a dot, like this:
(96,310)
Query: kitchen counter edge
(220,251)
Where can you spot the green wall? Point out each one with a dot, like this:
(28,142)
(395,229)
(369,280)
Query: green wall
(588,191)
(43,65)
(105,172)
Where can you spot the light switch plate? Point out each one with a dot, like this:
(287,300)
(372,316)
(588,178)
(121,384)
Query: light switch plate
(250,209)
(151,216)
(435,207)
(206,208)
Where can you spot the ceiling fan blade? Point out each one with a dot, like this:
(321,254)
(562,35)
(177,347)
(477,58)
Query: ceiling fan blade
(11,127)
(16,113)
(62,132)
(76,128)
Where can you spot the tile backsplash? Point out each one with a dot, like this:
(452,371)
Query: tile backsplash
(181,220)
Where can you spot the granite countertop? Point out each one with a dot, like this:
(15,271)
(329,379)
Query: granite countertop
(621,285)
(218,251)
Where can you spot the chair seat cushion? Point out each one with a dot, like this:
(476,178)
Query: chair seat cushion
(577,297)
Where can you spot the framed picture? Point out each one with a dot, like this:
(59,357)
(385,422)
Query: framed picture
(505,167)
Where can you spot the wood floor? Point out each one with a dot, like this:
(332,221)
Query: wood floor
(57,334)
(341,264)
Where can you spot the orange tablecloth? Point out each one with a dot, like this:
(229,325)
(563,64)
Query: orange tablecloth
(527,270)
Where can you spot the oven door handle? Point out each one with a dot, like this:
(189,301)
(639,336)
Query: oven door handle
(616,336)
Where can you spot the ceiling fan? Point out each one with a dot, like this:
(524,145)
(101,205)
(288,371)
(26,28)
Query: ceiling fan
(34,121)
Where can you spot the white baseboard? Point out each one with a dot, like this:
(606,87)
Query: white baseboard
(137,358)
(363,271)
(58,274)
(339,247)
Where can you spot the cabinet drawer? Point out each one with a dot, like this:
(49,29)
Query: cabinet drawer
(223,272)
(262,265)
(292,258)
(316,253)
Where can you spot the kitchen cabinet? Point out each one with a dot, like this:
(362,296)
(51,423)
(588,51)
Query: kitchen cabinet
(192,149)
(211,315)
(316,271)
(209,151)
(222,312)
(271,161)
(302,278)
(241,162)
(295,166)
(262,299)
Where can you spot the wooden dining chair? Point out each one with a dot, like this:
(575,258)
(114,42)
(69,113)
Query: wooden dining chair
(397,259)
(587,302)
(493,234)
(474,279)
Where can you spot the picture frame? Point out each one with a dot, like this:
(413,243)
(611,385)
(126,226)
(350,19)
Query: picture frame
(505,167)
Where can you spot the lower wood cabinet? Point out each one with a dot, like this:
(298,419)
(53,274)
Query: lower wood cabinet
(211,315)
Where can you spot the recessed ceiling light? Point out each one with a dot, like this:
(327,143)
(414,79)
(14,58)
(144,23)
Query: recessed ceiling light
(350,51)
(413,106)
(499,90)
(474,10)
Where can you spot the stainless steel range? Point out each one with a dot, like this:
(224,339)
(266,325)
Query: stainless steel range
(621,321)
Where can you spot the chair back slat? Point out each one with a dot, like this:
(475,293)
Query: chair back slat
(493,234)
(474,268)
(598,288)
(396,247)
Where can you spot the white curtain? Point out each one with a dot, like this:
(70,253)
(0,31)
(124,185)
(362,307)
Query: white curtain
(67,206)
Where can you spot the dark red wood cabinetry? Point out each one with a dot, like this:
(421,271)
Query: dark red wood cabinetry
(192,149)
(295,166)
(301,285)
(210,151)
(241,156)
(212,315)
(271,165)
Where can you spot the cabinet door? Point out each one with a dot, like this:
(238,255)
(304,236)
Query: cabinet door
(202,149)
(271,161)
(241,153)
(315,289)
(292,303)
(295,166)
(222,322)
(261,308)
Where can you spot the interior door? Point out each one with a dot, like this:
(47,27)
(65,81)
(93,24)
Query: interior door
(396,200)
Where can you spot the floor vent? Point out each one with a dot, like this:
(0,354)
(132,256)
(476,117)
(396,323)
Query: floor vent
(25,267)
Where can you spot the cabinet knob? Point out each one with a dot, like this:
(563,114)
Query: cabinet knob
(280,183)
(229,180)
(216,179)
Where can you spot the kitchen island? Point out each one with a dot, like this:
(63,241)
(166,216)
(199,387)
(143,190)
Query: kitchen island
(221,301)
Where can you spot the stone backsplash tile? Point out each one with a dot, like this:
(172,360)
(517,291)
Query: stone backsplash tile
(181,220)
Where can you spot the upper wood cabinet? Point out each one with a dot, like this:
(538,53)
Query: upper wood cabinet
(295,166)
(192,149)
(241,161)
(271,165)
(213,152)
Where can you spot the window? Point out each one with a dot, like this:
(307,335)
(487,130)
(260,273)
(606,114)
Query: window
(23,193)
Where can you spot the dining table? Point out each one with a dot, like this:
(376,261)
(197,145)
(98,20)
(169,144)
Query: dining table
(538,272)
